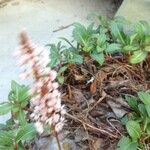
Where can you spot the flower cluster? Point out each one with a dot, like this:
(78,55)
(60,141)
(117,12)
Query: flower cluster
(46,99)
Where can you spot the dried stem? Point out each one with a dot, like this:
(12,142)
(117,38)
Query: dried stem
(92,127)
(57,139)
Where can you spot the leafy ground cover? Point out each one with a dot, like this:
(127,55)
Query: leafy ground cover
(104,77)
(98,69)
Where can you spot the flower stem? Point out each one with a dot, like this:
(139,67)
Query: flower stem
(57,139)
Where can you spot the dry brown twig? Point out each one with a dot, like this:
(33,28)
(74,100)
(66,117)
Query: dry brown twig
(90,126)
(100,100)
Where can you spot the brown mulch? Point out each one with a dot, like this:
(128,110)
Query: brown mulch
(94,98)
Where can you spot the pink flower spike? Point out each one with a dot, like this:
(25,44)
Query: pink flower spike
(46,98)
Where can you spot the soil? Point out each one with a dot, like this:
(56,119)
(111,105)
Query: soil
(94,96)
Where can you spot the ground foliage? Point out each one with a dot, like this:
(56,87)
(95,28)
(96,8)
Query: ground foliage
(97,69)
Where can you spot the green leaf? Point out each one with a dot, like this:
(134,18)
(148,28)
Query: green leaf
(113,48)
(100,49)
(2,126)
(5,108)
(147,39)
(6,147)
(133,129)
(71,56)
(22,117)
(88,46)
(104,22)
(20,147)
(132,102)
(16,108)
(66,40)
(101,39)
(47,129)
(142,28)
(124,119)
(60,79)
(62,70)
(6,138)
(90,29)
(54,56)
(147,48)
(99,57)
(139,29)
(26,132)
(129,48)
(142,110)
(144,97)
(80,33)
(116,31)
(138,56)
(125,143)
(10,123)
(133,38)
(148,109)
(19,93)
(76,59)
(15,86)
(146,122)
(148,129)
(24,104)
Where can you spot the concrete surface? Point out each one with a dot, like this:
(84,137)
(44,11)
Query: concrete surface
(135,10)
(40,18)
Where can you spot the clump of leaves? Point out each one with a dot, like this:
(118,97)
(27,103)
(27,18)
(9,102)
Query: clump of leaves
(17,130)
(135,40)
(137,123)
(110,37)
(61,57)
(15,137)
(17,104)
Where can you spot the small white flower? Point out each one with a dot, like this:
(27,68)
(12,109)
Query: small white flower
(58,127)
(55,85)
(39,127)
(53,75)
(56,118)
(49,121)
(50,109)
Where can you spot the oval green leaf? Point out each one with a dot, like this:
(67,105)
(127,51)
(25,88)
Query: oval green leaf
(133,129)
(138,56)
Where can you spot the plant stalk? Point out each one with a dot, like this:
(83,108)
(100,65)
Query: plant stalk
(57,139)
